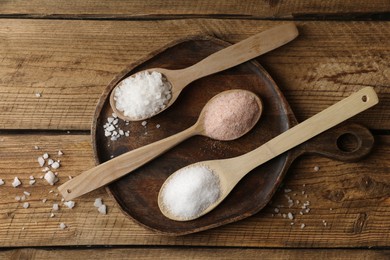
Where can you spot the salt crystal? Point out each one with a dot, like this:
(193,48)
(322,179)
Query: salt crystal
(36,147)
(114,115)
(44,200)
(60,153)
(56,207)
(70,204)
(287,190)
(38,95)
(41,161)
(31,177)
(55,165)
(23,197)
(45,169)
(142,94)
(157,126)
(16,182)
(110,119)
(50,161)
(50,178)
(1,182)
(26,205)
(102,209)
(98,202)
(276,210)
(45,155)
(144,123)
(303,226)
(121,132)
(290,216)
(52,215)
(110,128)
(27,193)
(62,226)
(127,133)
(190,191)
(107,133)
(115,122)
(70,177)
(17,198)
(316,168)
(31,182)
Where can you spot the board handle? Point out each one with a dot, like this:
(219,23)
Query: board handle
(347,143)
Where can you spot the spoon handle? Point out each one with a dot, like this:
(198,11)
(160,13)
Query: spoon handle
(115,168)
(240,52)
(333,115)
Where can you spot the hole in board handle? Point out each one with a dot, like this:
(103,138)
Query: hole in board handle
(364,98)
(68,191)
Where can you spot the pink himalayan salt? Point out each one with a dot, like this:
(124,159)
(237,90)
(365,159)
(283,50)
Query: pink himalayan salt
(231,115)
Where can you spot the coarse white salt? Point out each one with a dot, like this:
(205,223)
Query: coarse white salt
(1,182)
(55,165)
(190,191)
(50,178)
(144,123)
(70,204)
(26,205)
(98,202)
(45,156)
(16,182)
(60,153)
(50,162)
(26,193)
(158,126)
(290,216)
(56,207)
(31,182)
(142,94)
(102,209)
(62,226)
(41,161)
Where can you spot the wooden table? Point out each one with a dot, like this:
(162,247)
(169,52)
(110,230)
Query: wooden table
(68,51)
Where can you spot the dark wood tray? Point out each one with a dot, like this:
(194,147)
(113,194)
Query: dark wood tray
(136,193)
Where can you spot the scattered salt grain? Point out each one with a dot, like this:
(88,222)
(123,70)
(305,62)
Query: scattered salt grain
(32,182)
(26,205)
(17,198)
(26,193)
(16,182)
(44,200)
(36,147)
(1,182)
(56,207)
(60,153)
(52,215)
(144,123)
(50,162)
(55,165)
(102,209)
(98,202)
(142,94)
(157,126)
(31,177)
(45,156)
(70,204)
(50,178)
(316,168)
(70,177)
(190,191)
(62,226)
(38,95)
(287,190)
(290,216)
(276,210)
(303,226)
(41,161)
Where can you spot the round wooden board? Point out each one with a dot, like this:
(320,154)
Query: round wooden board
(137,192)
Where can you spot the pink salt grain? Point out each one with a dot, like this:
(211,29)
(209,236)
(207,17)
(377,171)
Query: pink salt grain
(231,115)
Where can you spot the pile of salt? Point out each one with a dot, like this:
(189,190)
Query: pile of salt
(190,191)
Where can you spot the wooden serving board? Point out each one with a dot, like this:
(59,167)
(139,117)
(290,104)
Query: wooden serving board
(137,192)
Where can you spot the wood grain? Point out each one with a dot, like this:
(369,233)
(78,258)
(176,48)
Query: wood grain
(190,8)
(194,253)
(70,63)
(351,197)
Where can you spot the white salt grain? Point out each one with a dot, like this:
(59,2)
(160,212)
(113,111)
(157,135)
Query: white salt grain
(290,216)
(102,209)
(303,226)
(157,126)
(316,168)
(26,193)
(52,215)
(60,153)
(56,207)
(98,202)
(16,182)
(32,182)
(50,178)
(144,123)
(41,161)
(50,161)
(38,95)
(1,182)
(45,155)
(55,165)
(44,200)
(26,205)
(17,198)
(70,204)
(62,226)
(190,191)
(31,177)
(142,95)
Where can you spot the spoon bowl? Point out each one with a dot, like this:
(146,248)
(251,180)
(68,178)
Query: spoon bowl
(115,168)
(226,58)
(230,171)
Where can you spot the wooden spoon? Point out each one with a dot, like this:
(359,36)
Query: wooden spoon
(115,168)
(231,56)
(231,171)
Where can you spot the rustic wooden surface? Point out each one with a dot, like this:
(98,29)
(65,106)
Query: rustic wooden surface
(70,50)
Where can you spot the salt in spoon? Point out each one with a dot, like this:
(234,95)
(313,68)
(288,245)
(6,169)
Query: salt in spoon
(117,167)
(226,58)
(230,171)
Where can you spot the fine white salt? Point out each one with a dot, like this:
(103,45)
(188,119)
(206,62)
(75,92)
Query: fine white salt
(190,191)
(142,94)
